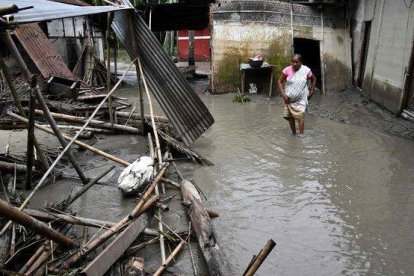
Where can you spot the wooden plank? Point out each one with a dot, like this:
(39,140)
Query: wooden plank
(116,248)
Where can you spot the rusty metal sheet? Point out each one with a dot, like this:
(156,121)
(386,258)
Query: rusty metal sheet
(47,10)
(181,104)
(41,52)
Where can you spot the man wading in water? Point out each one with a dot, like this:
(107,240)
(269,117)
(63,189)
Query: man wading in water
(293,85)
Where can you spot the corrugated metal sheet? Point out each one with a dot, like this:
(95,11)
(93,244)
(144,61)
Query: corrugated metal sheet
(47,10)
(72,2)
(41,51)
(183,107)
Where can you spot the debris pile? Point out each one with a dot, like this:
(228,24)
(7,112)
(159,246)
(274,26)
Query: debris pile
(78,105)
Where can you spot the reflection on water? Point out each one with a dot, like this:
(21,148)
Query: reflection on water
(337,200)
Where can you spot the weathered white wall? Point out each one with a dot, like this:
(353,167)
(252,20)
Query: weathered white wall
(390,44)
(239,35)
(61,29)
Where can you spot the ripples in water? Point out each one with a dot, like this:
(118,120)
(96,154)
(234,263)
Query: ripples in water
(326,197)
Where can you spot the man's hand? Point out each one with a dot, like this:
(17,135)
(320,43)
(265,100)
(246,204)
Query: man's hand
(286,99)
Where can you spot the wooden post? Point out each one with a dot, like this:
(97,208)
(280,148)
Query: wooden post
(59,135)
(9,212)
(200,220)
(17,100)
(30,133)
(191,59)
(271,80)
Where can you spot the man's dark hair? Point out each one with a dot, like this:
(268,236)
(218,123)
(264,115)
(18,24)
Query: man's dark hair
(298,56)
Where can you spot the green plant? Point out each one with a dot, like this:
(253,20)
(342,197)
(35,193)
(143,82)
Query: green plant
(241,97)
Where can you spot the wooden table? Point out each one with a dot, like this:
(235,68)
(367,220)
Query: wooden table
(261,76)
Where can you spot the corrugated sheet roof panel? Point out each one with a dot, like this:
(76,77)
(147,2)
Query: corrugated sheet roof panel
(44,10)
(181,104)
(42,52)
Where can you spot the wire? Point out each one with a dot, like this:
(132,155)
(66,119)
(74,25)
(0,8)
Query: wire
(410,4)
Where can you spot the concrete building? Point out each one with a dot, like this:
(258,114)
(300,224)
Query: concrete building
(242,29)
(363,43)
(383,53)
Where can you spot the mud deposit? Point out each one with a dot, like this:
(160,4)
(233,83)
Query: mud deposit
(337,200)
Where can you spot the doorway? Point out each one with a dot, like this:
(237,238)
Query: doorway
(311,56)
(408,101)
(366,30)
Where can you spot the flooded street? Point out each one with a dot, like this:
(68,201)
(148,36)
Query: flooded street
(337,200)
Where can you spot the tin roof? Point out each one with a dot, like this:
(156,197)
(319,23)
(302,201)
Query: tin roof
(41,52)
(183,107)
(44,10)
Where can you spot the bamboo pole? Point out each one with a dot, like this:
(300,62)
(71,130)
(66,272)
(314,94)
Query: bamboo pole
(12,213)
(30,133)
(76,119)
(154,127)
(169,259)
(39,261)
(108,67)
(58,134)
(158,150)
(48,217)
(89,185)
(257,261)
(92,129)
(64,151)
(97,241)
(136,116)
(33,258)
(145,202)
(173,183)
(79,143)
(6,166)
(17,100)
(36,267)
(131,250)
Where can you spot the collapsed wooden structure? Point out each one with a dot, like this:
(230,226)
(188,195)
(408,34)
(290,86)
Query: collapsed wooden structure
(186,115)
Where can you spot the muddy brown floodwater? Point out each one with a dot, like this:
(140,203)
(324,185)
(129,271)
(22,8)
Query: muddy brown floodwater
(338,200)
